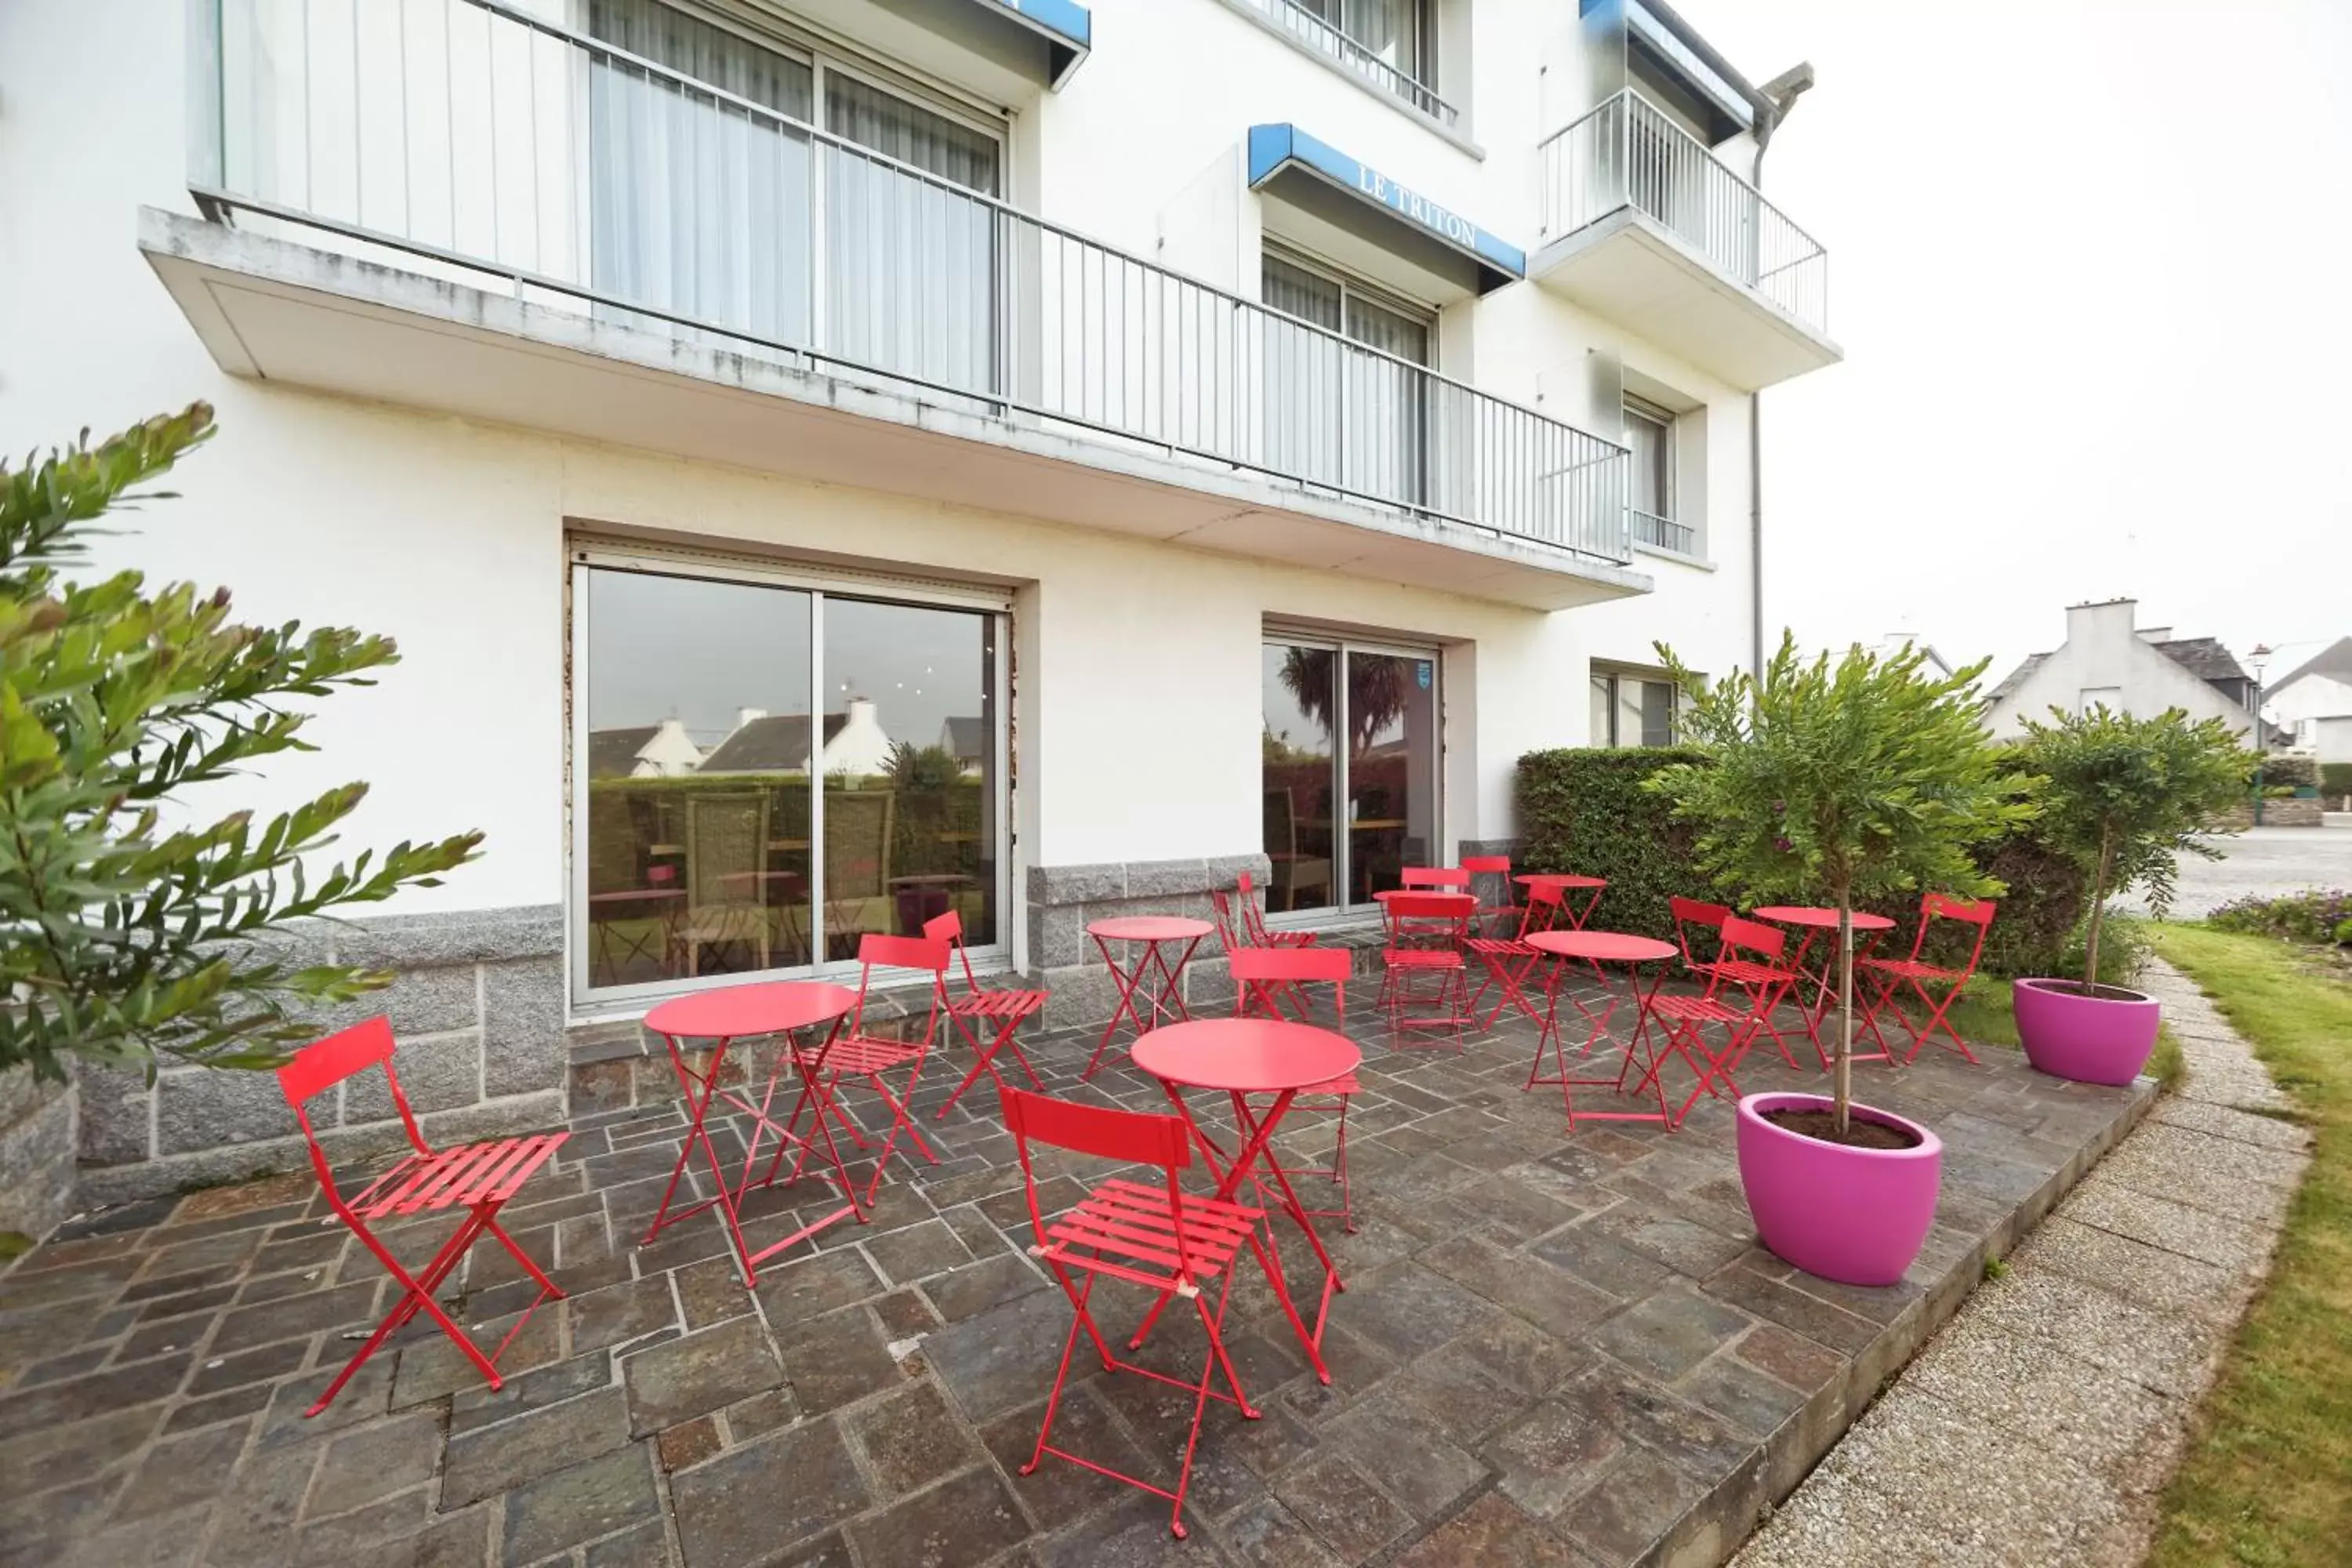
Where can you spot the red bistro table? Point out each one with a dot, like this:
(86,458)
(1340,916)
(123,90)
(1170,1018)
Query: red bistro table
(1813,921)
(1240,1057)
(1152,982)
(785,1008)
(1596,948)
(1568,883)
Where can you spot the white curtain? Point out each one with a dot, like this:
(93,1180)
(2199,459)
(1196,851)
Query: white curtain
(698,205)
(1304,372)
(1336,416)
(1387,404)
(912,267)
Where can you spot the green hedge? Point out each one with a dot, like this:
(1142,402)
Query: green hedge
(2299,771)
(1584,810)
(2334,779)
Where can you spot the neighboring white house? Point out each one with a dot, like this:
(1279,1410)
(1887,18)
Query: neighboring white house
(2315,701)
(1893,643)
(2107,658)
(1221,369)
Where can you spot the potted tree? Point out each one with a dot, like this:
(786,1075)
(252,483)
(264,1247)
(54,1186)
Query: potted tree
(2122,798)
(133,913)
(1844,783)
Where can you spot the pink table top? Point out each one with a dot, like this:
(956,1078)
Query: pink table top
(1820,918)
(1149,928)
(734,1012)
(1560,879)
(1605,946)
(1247,1056)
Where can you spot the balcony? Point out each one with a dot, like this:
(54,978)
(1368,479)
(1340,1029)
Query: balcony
(1311,32)
(460,226)
(1643,227)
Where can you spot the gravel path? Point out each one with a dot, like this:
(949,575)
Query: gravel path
(2041,1424)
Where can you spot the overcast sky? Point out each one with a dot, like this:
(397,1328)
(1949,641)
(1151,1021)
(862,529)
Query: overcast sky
(2091,265)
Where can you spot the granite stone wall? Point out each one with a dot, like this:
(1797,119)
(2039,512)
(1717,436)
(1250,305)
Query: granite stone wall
(38,1132)
(477,1008)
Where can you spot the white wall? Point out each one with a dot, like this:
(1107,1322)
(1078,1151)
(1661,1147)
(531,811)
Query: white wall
(2313,697)
(1139,698)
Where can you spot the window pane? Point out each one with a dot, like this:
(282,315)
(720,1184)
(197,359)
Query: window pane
(1629,710)
(1604,702)
(1297,775)
(1652,445)
(1657,712)
(1392,769)
(1305,373)
(698,778)
(909,765)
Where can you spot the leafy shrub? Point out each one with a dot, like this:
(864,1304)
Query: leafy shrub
(2294,772)
(2316,915)
(2334,779)
(2124,949)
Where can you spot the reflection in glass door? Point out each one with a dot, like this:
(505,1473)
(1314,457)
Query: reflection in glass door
(1359,727)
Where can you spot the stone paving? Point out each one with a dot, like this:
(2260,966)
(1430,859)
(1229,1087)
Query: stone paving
(2041,1424)
(1553,1350)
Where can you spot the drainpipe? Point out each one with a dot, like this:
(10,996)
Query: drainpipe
(1779,96)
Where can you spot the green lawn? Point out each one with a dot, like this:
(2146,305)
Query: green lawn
(2268,1477)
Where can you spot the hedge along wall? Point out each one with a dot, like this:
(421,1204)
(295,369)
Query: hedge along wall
(2334,779)
(1585,811)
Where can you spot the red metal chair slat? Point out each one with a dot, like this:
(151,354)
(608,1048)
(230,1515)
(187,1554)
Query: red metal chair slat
(1426,935)
(1008,1010)
(477,1177)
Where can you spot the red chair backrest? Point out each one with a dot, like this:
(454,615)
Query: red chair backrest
(1754,936)
(1429,919)
(1543,907)
(1129,1137)
(1486,865)
(1230,936)
(1258,970)
(321,1064)
(1688,912)
(923,954)
(1434,876)
(1979,913)
(948,930)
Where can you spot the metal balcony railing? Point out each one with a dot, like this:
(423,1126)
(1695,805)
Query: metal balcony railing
(1662,532)
(1630,152)
(468,139)
(1325,39)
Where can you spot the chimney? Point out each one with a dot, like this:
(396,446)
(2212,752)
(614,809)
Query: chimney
(2089,626)
(745,715)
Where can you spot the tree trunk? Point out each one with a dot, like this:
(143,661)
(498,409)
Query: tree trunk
(2097,914)
(1844,1073)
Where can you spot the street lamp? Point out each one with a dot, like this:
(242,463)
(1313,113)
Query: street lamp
(2258,658)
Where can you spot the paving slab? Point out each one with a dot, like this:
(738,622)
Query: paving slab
(2041,1424)
(1554,1348)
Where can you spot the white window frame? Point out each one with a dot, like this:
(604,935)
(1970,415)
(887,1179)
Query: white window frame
(819,583)
(1616,675)
(1343,845)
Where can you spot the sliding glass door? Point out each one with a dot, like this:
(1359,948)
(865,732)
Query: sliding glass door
(767,771)
(1351,759)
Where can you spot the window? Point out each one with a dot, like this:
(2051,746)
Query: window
(1631,709)
(1357,421)
(1651,502)
(1400,34)
(766,770)
(2092,697)
(712,213)
(1349,777)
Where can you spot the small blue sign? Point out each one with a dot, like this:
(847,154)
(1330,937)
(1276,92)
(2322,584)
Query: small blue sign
(1421,674)
(1271,147)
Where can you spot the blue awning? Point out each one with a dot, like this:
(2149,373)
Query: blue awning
(1066,26)
(1275,150)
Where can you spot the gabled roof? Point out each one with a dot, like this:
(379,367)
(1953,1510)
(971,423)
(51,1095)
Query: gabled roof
(2017,678)
(774,744)
(2335,660)
(612,754)
(967,737)
(2203,657)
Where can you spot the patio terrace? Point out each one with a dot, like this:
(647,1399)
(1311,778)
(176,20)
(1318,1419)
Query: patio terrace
(1553,1349)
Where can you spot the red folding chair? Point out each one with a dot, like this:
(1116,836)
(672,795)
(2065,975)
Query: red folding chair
(1509,961)
(1758,949)
(1172,1243)
(477,1177)
(1495,919)
(1252,927)
(1262,977)
(1722,967)
(1427,932)
(976,1009)
(1444,879)
(1892,973)
(856,1054)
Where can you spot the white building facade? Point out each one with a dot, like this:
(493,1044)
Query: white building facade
(1131,445)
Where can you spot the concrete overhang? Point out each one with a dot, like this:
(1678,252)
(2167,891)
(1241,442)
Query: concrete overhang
(1630,269)
(273,310)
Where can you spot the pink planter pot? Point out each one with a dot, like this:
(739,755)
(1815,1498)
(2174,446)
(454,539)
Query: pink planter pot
(2091,1039)
(1855,1215)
